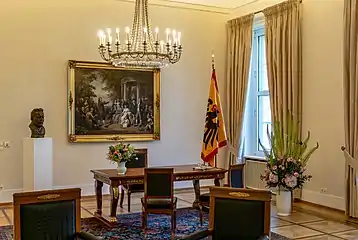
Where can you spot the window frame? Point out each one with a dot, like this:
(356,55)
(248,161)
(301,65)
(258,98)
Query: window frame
(252,129)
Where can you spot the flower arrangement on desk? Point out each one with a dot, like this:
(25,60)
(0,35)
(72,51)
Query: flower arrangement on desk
(121,152)
(287,157)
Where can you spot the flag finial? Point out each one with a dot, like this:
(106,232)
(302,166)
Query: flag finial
(213,60)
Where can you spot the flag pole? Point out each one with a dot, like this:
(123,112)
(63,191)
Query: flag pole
(213,60)
(213,67)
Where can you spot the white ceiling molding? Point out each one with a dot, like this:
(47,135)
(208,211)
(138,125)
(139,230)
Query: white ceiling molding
(229,4)
(191,6)
(217,6)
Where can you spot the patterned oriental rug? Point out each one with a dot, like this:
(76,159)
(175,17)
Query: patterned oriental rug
(129,227)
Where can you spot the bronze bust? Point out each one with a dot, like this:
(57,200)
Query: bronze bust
(37,121)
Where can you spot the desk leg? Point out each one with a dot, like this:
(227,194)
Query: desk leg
(98,187)
(196,202)
(114,203)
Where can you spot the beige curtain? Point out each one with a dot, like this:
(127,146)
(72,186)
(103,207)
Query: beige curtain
(283,56)
(350,81)
(239,37)
(350,186)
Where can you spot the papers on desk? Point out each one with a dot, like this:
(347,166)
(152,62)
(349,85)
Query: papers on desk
(202,167)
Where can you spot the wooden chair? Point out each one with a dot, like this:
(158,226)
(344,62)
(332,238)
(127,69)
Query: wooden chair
(159,194)
(236,176)
(142,162)
(237,214)
(53,214)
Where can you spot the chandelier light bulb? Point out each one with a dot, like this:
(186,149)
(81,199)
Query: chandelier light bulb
(100,37)
(143,48)
(117,36)
(161,46)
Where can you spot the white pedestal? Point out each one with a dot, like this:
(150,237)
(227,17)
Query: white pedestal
(37,164)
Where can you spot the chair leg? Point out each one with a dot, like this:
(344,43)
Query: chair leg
(201,214)
(173,222)
(122,198)
(144,220)
(129,200)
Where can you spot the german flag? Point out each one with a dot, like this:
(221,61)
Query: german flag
(214,131)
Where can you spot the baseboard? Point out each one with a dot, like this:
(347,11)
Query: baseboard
(88,189)
(322,199)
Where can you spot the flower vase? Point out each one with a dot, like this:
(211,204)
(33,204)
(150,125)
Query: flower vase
(121,168)
(284,202)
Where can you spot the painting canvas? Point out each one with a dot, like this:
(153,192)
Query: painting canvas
(107,103)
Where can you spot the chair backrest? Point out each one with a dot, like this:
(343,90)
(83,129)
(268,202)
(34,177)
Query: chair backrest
(142,162)
(236,176)
(53,214)
(239,213)
(158,182)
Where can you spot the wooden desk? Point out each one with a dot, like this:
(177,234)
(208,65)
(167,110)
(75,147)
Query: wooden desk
(136,175)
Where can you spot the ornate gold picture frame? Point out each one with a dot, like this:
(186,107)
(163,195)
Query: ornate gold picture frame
(107,103)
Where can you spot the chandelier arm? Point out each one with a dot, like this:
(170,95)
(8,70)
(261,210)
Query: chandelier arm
(133,54)
(102,53)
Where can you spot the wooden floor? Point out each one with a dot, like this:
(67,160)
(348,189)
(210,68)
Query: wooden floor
(306,222)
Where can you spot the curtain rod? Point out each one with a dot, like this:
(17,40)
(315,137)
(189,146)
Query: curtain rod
(257,12)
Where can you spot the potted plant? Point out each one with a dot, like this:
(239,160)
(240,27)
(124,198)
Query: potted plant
(120,154)
(286,162)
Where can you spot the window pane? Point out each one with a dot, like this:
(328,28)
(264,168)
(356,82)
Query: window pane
(264,109)
(263,120)
(262,67)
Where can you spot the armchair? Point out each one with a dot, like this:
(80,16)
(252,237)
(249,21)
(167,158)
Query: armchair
(142,162)
(242,214)
(53,214)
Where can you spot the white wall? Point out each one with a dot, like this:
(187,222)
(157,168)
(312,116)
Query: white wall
(38,37)
(322,36)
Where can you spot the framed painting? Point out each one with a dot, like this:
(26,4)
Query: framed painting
(107,103)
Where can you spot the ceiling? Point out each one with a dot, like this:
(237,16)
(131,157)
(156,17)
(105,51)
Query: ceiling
(230,4)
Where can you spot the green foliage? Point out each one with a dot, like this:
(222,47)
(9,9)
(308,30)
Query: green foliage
(287,156)
(288,144)
(84,88)
(121,153)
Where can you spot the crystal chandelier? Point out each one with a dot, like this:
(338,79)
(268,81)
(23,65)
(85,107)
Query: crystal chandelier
(139,48)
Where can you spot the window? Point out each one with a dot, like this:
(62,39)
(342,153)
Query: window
(257,118)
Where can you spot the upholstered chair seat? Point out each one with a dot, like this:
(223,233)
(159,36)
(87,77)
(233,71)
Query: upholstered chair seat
(159,203)
(204,197)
